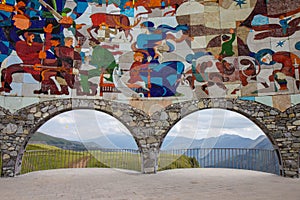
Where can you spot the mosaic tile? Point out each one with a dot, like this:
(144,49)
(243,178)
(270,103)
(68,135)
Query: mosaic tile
(276,7)
(13,103)
(280,44)
(295,99)
(267,100)
(281,102)
(212,19)
(233,90)
(27,88)
(197,19)
(16,90)
(242,33)
(249,90)
(198,42)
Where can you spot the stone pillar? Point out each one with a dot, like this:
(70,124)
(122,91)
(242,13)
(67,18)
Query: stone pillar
(149,160)
(11,139)
(8,163)
(18,166)
(9,149)
(291,165)
(9,153)
(289,149)
(148,141)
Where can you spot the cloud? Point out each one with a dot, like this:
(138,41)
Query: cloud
(215,122)
(83,124)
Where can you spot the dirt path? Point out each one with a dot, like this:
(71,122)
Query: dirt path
(82,163)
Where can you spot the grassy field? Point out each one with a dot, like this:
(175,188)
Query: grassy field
(168,161)
(123,160)
(44,157)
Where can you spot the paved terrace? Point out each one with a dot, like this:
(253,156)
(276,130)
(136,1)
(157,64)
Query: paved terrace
(180,184)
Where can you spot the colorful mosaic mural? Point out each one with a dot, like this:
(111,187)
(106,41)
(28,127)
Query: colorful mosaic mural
(150,48)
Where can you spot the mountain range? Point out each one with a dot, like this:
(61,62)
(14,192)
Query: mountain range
(125,141)
(223,141)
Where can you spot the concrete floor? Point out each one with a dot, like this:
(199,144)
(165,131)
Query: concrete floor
(180,184)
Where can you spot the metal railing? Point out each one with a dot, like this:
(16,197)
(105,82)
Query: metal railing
(264,160)
(36,160)
(237,158)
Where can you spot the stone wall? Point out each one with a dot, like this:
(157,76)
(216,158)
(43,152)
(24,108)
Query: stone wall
(282,128)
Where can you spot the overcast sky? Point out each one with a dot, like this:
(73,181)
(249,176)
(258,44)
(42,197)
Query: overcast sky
(86,124)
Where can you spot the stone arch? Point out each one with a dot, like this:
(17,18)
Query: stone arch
(256,112)
(44,119)
(28,119)
(183,132)
(270,120)
(259,123)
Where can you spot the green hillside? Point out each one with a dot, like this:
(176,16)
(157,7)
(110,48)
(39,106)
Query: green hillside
(41,147)
(39,137)
(173,162)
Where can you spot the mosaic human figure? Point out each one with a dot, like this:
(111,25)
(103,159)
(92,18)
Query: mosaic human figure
(31,53)
(155,41)
(227,47)
(70,61)
(104,62)
(137,66)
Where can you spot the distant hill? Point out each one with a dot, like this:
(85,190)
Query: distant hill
(41,138)
(223,141)
(112,141)
(127,142)
(115,141)
(41,147)
(262,142)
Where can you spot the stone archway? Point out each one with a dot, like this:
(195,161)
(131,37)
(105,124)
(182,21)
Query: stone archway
(209,134)
(251,114)
(282,128)
(21,125)
(82,131)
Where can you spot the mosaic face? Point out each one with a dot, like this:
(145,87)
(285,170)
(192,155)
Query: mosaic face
(118,49)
